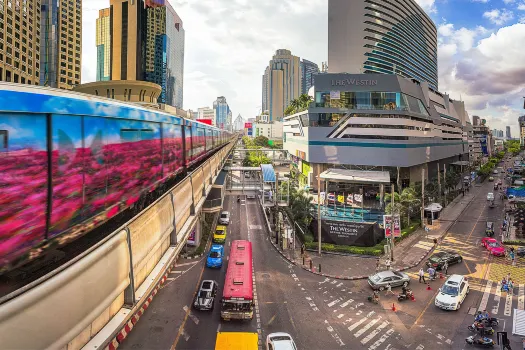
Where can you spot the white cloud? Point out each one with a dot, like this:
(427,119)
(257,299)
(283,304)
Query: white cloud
(427,5)
(509,1)
(521,6)
(485,1)
(499,17)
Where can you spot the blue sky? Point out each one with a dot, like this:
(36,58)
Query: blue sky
(229,43)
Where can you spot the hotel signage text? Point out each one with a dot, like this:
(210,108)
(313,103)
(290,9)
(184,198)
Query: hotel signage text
(356,82)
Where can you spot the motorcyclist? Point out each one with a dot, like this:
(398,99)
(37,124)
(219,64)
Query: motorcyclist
(485,315)
(404,290)
(376,295)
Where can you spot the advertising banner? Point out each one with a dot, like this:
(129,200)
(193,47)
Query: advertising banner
(387,225)
(483,142)
(345,232)
(247,125)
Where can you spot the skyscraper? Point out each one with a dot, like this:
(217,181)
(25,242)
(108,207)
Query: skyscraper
(20,51)
(385,37)
(103,40)
(476,120)
(508,136)
(281,83)
(308,69)
(61,48)
(147,43)
(222,112)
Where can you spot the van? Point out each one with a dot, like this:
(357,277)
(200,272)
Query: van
(453,292)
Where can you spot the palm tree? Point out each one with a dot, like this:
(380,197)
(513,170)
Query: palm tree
(410,201)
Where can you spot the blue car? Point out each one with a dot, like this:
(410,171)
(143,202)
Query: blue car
(215,256)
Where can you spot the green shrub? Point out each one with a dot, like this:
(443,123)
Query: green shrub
(514,242)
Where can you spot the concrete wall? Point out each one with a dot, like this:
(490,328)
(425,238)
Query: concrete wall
(77,302)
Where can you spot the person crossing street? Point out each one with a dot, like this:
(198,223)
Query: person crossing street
(422,275)
(445,267)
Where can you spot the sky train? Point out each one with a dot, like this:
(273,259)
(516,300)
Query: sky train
(70,161)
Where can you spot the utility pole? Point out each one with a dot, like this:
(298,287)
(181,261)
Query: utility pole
(319,207)
(392,226)
(445,181)
(439,183)
(423,197)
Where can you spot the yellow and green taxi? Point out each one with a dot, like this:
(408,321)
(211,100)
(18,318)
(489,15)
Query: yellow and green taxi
(220,234)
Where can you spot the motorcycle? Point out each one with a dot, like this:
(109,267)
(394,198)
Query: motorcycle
(482,341)
(490,322)
(409,295)
(478,326)
(373,299)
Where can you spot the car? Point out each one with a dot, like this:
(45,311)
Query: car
(381,279)
(438,260)
(250,195)
(220,234)
(224,219)
(215,255)
(206,295)
(453,292)
(491,178)
(493,246)
(280,341)
(495,171)
(490,196)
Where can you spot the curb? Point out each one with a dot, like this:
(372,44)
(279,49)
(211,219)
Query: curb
(123,333)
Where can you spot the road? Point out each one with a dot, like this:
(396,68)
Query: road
(322,313)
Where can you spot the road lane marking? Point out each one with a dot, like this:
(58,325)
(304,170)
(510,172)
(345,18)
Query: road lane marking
(497,299)
(521,297)
(271,320)
(382,339)
(363,320)
(374,332)
(508,305)
(192,316)
(485,298)
(340,315)
(366,327)
(345,304)
(334,334)
(420,347)
(334,302)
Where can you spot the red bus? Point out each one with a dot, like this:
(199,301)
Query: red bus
(237,296)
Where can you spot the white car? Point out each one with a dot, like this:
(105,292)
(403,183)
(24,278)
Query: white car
(280,341)
(250,195)
(452,294)
(224,219)
(490,196)
(495,172)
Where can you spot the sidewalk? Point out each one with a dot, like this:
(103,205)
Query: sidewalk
(407,254)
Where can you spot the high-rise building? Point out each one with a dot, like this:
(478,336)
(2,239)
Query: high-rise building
(222,112)
(385,37)
(476,121)
(281,83)
(103,40)
(61,44)
(20,49)
(147,43)
(308,69)
(206,113)
(521,121)
(238,124)
(508,136)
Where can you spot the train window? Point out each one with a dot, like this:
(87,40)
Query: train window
(132,135)
(4,137)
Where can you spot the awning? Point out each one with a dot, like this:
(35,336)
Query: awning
(242,168)
(461,163)
(356,176)
(434,207)
(268,173)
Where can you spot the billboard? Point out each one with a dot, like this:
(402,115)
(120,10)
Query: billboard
(387,225)
(346,232)
(247,125)
(205,121)
(483,142)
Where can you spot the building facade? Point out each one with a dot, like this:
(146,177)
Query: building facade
(238,124)
(103,42)
(206,113)
(521,121)
(272,130)
(355,123)
(20,43)
(281,82)
(147,43)
(308,70)
(385,37)
(69,48)
(507,133)
(222,112)
(49,43)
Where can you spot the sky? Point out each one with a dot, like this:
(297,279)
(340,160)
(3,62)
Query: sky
(229,43)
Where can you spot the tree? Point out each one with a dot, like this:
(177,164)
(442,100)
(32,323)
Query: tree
(261,141)
(405,204)
(300,207)
(298,104)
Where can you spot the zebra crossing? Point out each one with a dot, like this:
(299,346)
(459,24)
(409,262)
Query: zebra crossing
(493,298)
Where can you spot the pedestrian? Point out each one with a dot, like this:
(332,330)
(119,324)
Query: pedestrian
(435,242)
(422,275)
(507,278)
(377,265)
(387,263)
(445,267)
(389,289)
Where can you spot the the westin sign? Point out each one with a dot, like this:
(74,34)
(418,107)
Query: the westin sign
(345,82)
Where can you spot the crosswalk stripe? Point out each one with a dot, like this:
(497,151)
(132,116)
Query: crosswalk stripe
(367,327)
(382,339)
(374,333)
(349,301)
(508,305)
(420,347)
(521,297)
(497,299)
(333,302)
(361,321)
(485,298)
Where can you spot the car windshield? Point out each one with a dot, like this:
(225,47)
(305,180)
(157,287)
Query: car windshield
(494,245)
(203,294)
(450,290)
(435,259)
(215,255)
(281,338)
(375,278)
(219,232)
(224,216)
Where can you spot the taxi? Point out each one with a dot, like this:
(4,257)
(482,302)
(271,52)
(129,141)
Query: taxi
(220,234)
